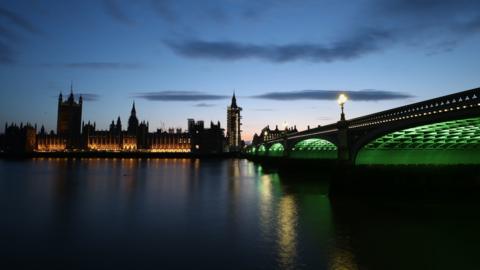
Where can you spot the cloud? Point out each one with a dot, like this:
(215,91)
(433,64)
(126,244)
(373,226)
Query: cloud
(7,54)
(10,38)
(425,24)
(8,33)
(88,96)
(98,65)
(178,96)
(353,47)
(428,23)
(219,11)
(165,9)
(362,95)
(85,96)
(18,21)
(204,105)
(113,8)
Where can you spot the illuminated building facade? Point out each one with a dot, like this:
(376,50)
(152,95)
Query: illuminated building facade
(169,142)
(136,137)
(50,142)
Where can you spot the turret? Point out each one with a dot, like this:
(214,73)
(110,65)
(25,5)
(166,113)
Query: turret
(71,98)
(132,128)
(112,126)
(119,124)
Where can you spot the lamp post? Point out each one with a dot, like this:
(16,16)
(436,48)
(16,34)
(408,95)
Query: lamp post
(342,98)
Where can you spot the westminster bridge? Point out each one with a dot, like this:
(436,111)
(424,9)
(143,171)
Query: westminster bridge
(443,130)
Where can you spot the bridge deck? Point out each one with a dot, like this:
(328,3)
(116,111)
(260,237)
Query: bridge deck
(461,102)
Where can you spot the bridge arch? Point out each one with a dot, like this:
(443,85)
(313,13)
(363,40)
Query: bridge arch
(261,150)
(276,150)
(446,142)
(251,150)
(314,148)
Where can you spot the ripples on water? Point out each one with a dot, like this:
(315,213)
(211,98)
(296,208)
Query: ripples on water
(213,214)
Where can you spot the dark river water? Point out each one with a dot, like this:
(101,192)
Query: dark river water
(215,214)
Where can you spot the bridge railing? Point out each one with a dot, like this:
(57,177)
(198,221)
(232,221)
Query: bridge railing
(465,100)
(455,102)
(306,133)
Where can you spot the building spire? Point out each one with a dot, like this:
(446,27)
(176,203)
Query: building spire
(71,98)
(234,100)
(133,108)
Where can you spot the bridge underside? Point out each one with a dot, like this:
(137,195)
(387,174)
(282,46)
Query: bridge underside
(276,150)
(451,142)
(314,149)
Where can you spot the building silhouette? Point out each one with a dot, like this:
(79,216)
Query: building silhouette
(69,121)
(133,122)
(73,134)
(19,138)
(270,134)
(234,138)
(206,141)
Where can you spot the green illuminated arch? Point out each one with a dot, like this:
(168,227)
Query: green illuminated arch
(276,150)
(314,149)
(251,150)
(262,150)
(451,142)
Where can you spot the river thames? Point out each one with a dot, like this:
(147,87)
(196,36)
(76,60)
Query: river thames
(215,214)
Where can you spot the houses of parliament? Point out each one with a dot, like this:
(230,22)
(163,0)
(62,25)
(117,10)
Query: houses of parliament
(73,134)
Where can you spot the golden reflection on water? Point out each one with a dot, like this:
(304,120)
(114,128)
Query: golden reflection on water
(287,232)
(266,205)
(235,166)
(342,258)
(278,219)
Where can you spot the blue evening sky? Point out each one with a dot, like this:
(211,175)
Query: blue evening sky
(179,59)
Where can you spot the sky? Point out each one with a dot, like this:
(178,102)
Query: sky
(286,60)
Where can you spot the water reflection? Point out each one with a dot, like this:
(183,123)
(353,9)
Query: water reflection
(265,205)
(342,257)
(214,214)
(287,233)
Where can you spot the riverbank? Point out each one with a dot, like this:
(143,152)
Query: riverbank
(415,182)
(100,154)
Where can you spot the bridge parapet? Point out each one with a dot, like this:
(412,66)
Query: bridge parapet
(322,130)
(350,136)
(462,101)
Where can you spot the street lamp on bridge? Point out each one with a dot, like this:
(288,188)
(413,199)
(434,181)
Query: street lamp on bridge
(342,98)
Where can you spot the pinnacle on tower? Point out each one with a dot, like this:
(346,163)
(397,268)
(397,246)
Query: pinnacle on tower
(71,99)
(234,100)
(133,108)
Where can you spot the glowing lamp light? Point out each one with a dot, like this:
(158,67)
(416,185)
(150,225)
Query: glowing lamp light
(342,98)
